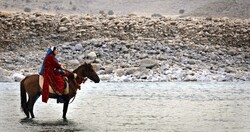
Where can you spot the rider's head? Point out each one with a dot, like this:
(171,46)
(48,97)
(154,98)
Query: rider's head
(54,50)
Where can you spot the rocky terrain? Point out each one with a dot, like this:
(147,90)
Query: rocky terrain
(128,47)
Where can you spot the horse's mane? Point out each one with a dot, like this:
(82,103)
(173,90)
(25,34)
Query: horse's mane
(84,65)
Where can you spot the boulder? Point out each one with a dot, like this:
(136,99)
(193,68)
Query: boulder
(131,70)
(105,77)
(120,72)
(63,29)
(190,78)
(74,62)
(78,47)
(148,63)
(92,55)
(109,69)
(18,77)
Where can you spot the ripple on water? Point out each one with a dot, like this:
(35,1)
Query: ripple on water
(139,106)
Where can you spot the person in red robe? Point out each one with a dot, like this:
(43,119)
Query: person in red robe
(53,74)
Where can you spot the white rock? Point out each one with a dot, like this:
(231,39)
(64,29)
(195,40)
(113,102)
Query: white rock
(109,69)
(105,77)
(81,57)
(18,77)
(120,72)
(74,62)
(62,29)
(190,78)
(92,55)
(78,47)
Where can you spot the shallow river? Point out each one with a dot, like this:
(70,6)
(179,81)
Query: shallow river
(139,107)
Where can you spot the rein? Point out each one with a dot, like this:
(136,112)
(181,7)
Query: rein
(78,81)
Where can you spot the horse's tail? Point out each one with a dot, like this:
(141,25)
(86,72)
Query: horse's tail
(23,96)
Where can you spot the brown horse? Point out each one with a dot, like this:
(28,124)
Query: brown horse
(30,85)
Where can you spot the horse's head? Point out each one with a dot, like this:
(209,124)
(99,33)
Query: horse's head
(87,70)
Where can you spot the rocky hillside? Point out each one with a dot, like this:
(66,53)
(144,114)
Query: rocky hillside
(214,8)
(129,47)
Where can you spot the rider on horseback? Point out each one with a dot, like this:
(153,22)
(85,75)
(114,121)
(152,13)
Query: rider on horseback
(53,74)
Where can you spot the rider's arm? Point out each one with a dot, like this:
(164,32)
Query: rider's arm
(53,61)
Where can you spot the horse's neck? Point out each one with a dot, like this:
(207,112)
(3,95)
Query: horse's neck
(79,71)
(72,86)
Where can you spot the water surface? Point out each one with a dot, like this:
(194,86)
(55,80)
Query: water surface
(139,106)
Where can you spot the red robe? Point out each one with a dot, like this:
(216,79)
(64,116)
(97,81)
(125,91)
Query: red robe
(51,77)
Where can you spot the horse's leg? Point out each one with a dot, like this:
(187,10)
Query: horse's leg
(31,102)
(26,111)
(24,99)
(65,106)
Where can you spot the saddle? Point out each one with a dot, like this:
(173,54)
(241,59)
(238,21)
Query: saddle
(53,90)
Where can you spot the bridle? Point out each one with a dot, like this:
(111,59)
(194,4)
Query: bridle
(78,81)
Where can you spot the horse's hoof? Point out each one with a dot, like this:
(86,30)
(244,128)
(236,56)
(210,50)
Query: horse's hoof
(64,118)
(26,118)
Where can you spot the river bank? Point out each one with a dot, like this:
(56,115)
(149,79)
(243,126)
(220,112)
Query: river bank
(130,47)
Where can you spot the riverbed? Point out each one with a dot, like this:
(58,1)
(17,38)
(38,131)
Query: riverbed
(136,107)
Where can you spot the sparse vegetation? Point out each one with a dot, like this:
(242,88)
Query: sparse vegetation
(74,8)
(181,11)
(27,9)
(110,12)
(58,8)
(101,12)
(156,15)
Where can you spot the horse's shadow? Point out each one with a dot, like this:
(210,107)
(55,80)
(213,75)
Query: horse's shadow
(30,121)
(56,125)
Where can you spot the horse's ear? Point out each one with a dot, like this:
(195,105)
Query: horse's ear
(89,64)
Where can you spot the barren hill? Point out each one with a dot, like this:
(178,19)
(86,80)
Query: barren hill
(218,8)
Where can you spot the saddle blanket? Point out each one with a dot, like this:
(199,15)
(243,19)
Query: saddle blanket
(41,80)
